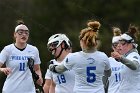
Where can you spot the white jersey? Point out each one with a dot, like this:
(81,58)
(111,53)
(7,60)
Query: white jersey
(64,82)
(130,78)
(20,80)
(115,78)
(89,70)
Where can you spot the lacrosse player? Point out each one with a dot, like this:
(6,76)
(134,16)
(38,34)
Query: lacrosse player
(15,56)
(130,59)
(90,65)
(60,46)
(115,78)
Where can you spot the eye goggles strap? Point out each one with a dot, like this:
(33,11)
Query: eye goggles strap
(60,52)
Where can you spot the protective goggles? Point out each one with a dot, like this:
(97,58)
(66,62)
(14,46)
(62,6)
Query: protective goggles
(21,32)
(52,45)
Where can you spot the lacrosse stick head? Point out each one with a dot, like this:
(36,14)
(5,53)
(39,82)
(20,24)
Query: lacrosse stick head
(30,62)
(31,67)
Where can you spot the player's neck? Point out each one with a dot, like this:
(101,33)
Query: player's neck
(89,50)
(20,45)
(63,55)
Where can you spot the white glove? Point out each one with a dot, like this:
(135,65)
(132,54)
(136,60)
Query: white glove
(52,68)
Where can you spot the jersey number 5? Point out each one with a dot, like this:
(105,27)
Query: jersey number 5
(91,77)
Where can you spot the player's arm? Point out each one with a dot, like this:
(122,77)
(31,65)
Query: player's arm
(107,73)
(47,85)
(131,64)
(52,87)
(106,83)
(57,68)
(3,56)
(38,72)
(67,62)
(5,70)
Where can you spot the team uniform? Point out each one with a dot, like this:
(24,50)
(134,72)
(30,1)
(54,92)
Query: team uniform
(64,82)
(115,78)
(130,78)
(20,79)
(89,70)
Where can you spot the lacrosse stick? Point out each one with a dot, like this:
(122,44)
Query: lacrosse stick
(34,75)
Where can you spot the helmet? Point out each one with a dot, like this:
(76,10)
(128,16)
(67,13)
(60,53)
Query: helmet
(57,39)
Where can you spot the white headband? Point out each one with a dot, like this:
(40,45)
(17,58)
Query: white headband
(21,26)
(116,39)
(126,37)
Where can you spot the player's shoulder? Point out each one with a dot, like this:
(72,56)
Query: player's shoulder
(75,54)
(71,57)
(31,47)
(111,58)
(9,47)
(133,53)
(101,53)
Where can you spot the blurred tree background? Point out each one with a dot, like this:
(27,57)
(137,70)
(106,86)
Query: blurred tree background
(47,17)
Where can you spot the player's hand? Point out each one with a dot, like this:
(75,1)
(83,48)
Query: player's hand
(40,81)
(6,71)
(116,55)
(52,67)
